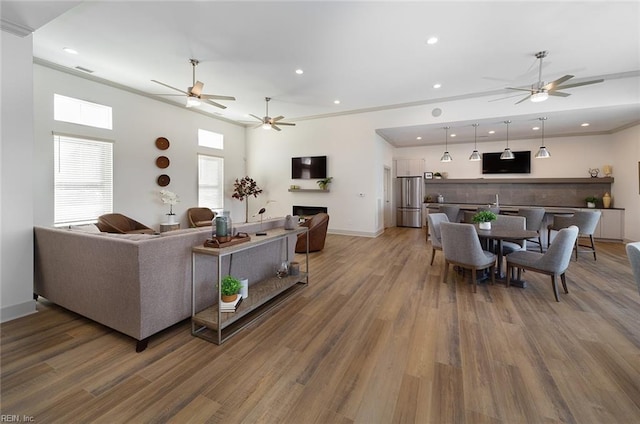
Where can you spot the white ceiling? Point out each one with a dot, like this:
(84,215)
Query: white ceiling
(369,55)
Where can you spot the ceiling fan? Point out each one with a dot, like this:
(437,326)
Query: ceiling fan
(267,122)
(194,93)
(540,91)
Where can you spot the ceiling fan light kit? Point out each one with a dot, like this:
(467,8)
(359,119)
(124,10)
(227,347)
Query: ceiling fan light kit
(539,97)
(507,154)
(543,153)
(475,155)
(268,122)
(446,157)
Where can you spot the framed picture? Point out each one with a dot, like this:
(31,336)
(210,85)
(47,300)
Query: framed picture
(428,175)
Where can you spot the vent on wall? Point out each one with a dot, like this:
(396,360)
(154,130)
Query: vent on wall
(80,68)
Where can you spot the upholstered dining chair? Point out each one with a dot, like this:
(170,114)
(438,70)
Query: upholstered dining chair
(511,222)
(553,262)
(461,247)
(200,217)
(534,217)
(121,224)
(586,221)
(633,252)
(434,229)
(451,211)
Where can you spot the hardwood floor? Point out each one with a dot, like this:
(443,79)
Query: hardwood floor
(376,337)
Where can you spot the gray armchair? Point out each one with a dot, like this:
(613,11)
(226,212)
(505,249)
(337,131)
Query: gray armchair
(554,262)
(633,252)
(534,217)
(434,229)
(461,247)
(586,221)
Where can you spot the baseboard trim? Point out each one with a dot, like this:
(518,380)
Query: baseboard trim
(356,233)
(19,310)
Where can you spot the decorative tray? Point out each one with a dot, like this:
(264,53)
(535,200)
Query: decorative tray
(216,243)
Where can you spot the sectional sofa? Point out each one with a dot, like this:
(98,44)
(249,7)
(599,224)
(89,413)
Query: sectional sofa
(138,284)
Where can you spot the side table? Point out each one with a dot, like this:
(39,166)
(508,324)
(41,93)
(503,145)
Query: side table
(164,227)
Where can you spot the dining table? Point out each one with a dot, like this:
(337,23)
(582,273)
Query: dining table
(499,235)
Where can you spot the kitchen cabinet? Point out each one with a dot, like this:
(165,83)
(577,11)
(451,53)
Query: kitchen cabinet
(611,225)
(409,167)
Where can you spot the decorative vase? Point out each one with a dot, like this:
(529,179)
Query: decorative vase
(485,225)
(171,218)
(606,200)
(244,290)
(229,298)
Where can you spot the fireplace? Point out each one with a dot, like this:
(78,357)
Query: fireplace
(308,210)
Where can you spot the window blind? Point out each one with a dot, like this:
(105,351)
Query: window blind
(210,182)
(83,181)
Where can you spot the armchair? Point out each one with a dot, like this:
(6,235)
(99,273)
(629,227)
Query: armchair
(200,217)
(120,224)
(317,225)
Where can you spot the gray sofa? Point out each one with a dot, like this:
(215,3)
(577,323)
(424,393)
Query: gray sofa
(137,284)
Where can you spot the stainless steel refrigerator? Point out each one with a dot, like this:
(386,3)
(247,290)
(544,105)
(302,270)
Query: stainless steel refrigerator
(409,202)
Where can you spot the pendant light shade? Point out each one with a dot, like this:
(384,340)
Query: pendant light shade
(475,156)
(507,154)
(543,153)
(446,157)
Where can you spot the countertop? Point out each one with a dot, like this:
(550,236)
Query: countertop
(514,208)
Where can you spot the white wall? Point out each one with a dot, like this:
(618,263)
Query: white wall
(627,185)
(16,170)
(137,122)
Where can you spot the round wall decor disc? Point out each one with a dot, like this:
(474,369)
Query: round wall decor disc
(162,162)
(164,180)
(162,143)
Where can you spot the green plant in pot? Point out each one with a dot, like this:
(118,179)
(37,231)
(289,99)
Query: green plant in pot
(483,219)
(229,288)
(437,175)
(324,183)
(591,201)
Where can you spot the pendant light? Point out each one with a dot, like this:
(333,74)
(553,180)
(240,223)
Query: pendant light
(507,154)
(475,156)
(446,157)
(543,153)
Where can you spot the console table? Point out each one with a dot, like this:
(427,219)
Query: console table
(209,322)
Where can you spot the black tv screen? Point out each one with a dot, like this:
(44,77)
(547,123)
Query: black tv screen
(492,164)
(309,167)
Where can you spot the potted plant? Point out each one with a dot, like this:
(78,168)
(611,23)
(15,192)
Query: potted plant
(229,288)
(437,175)
(169,198)
(324,183)
(591,201)
(245,187)
(484,218)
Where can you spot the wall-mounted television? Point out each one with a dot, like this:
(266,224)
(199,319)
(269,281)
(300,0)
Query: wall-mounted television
(309,167)
(492,164)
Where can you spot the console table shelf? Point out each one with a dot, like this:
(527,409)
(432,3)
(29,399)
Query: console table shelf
(209,322)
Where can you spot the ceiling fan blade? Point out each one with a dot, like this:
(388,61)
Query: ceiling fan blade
(578,84)
(197,88)
(211,102)
(554,84)
(519,89)
(168,86)
(525,98)
(286,123)
(558,93)
(259,119)
(507,97)
(257,126)
(216,97)
(277,118)
(275,128)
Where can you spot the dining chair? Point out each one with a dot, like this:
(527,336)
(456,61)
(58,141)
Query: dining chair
(434,229)
(515,223)
(461,247)
(586,221)
(534,217)
(633,252)
(451,211)
(553,262)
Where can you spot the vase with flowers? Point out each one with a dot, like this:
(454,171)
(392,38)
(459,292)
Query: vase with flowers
(169,198)
(244,188)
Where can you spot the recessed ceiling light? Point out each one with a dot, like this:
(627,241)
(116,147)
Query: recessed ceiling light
(452,135)
(432,40)
(437,85)
(418,138)
(70,50)
(585,124)
(535,128)
(337,102)
(299,71)
(492,132)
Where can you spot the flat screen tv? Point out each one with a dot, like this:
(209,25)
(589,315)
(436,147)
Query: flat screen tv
(309,167)
(492,164)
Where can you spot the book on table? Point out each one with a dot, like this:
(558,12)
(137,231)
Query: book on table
(230,306)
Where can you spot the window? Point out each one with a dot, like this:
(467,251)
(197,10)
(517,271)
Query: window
(210,139)
(83,182)
(210,182)
(78,111)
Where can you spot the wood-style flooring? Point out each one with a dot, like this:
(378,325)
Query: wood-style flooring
(376,337)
